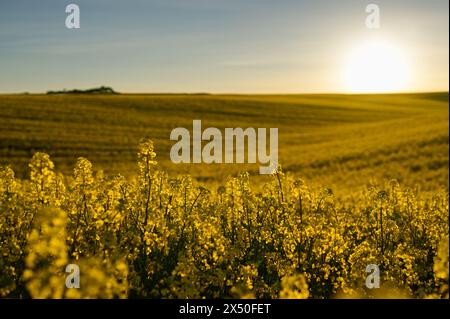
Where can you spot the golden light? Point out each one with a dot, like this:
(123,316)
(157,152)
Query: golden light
(376,67)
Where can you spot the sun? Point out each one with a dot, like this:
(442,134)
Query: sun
(376,67)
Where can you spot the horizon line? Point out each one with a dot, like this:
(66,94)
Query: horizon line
(233,93)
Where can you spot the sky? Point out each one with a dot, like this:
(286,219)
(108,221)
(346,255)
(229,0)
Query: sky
(216,46)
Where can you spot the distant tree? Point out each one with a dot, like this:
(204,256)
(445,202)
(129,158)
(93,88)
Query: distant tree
(99,90)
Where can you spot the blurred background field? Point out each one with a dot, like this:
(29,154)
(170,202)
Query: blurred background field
(339,141)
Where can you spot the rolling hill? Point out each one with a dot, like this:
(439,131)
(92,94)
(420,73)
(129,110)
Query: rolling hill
(336,140)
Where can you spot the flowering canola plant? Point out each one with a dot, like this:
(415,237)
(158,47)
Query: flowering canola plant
(154,236)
